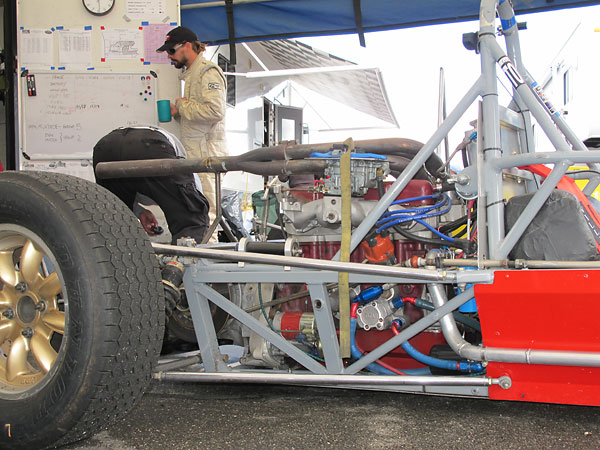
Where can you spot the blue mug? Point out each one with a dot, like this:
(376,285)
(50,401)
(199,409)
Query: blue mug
(164,110)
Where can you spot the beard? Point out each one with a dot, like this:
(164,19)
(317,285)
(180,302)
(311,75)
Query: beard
(179,63)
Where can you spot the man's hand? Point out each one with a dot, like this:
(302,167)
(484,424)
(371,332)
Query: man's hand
(174,110)
(148,221)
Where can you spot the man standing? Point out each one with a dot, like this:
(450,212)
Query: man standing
(202,107)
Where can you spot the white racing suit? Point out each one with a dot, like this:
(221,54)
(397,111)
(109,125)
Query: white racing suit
(202,115)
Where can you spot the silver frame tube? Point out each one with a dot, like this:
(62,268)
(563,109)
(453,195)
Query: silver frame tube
(325,380)
(307,263)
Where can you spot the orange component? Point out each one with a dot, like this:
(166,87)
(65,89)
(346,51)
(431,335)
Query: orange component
(378,249)
(414,261)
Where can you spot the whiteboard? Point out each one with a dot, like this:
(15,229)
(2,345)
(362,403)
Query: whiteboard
(72,111)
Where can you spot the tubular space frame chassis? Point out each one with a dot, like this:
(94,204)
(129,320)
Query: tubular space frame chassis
(241,267)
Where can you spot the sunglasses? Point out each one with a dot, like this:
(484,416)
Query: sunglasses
(173,50)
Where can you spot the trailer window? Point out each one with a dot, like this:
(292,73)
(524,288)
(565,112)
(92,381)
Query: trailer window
(567,86)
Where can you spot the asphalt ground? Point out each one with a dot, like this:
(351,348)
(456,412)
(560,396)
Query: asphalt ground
(212,416)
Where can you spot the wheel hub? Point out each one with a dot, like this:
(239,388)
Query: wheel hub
(32,312)
(26,309)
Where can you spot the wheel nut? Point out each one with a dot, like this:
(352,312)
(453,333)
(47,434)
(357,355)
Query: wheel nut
(21,287)
(41,306)
(8,314)
(27,332)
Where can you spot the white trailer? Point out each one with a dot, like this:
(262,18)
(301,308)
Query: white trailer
(571,81)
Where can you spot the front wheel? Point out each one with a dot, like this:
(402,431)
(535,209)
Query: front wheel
(81,309)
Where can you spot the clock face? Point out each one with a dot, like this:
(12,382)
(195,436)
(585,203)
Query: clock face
(98,7)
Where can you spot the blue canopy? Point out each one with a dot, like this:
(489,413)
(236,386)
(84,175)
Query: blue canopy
(273,19)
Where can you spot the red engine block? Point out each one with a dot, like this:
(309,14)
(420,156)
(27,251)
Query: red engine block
(369,340)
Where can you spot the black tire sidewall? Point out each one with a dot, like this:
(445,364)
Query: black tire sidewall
(56,408)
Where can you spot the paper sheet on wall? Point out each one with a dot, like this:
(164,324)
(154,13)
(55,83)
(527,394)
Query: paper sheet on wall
(154,37)
(36,48)
(122,43)
(146,9)
(80,168)
(74,48)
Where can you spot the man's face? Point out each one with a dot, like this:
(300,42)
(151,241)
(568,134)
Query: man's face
(177,55)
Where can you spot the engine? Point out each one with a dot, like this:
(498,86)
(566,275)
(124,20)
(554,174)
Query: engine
(309,217)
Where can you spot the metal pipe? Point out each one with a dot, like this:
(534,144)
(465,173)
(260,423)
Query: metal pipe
(307,263)
(227,230)
(300,151)
(492,179)
(221,245)
(323,380)
(278,160)
(539,264)
(513,47)
(527,159)
(398,147)
(518,264)
(511,33)
(178,363)
(508,355)
(482,240)
(442,115)
(487,263)
(582,174)
(166,167)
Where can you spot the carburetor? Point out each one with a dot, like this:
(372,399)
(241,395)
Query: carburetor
(365,169)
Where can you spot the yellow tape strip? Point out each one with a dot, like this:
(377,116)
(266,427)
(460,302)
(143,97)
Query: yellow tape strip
(343,284)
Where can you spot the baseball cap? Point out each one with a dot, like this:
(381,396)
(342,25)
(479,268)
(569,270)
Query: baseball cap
(177,36)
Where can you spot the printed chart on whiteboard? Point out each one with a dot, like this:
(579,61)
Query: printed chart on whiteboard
(65,114)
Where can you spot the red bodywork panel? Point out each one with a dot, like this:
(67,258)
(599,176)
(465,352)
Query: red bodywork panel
(543,310)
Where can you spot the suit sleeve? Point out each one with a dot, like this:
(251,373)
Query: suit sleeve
(207,101)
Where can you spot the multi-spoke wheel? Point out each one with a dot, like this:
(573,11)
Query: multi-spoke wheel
(81,309)
(33,308)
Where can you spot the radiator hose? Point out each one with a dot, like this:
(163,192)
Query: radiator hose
(461,366)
